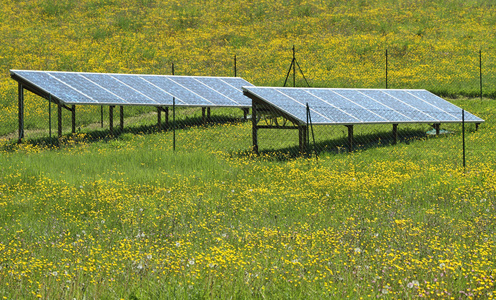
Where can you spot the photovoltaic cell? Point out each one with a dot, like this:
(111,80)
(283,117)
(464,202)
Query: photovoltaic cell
(360,106)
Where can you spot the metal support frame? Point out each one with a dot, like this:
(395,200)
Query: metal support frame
(73,118)
(254,127)
(350,138)
(437,127)
(166,111)
(159,117)
(21,112)
(245,113)
(162,125)
(303,138)
(205,115)
(121,116)
(395,134)
(59,120)
(111,119)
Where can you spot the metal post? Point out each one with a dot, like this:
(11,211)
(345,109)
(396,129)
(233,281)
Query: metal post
(21,112)
(395,134)
(302,135)
(59,116)
(350,138)
(50,115)
(101,116)
(463,136)
(294,67)
(172,68)
(386,68)
(235,75)
(480,73)
(254,127)
(111,119)
(73,118)
(308,127)
(159,118)
(121,115)
(438,128)
(173,121)
(166,117)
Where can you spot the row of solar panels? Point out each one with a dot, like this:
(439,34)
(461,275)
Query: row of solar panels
(353,106)
(126,89)
(327,106)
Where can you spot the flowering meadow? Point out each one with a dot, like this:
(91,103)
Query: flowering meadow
(431,45)
(126,217)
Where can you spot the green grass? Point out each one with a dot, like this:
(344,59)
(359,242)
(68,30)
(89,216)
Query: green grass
(128,217)
(123,216)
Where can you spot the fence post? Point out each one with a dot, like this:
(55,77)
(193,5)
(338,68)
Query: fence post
(480,72)
(386,68)
(294,67)
(50,115)
(173,123)
(463,137)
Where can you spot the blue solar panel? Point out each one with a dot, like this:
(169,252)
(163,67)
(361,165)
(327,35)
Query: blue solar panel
(85,86)
(360,106)
(151,91)
(202,90)
(55,87)
(230,87)
(128,89)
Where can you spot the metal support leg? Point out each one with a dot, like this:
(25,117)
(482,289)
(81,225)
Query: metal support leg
(395,134)
(350,138)
(303,138)
(121,115)
(245,113)
(59,117)
(254,128)
(73,118)
(21,112)
(111,119)
(159,118)
(166,117)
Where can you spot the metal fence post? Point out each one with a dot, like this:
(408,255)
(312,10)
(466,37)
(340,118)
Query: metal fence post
(480,72)
(463,138)
(386,68)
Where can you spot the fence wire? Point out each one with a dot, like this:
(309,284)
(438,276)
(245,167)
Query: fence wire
(229,130)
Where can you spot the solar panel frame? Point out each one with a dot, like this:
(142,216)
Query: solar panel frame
(116,89)
(384,103)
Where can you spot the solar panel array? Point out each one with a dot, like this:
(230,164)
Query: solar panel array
(74,88)
(361,106)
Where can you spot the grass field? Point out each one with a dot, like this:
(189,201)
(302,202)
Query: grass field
(96,216)
(129,218)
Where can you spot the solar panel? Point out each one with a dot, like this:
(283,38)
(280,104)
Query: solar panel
(128,89)
(360,106)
